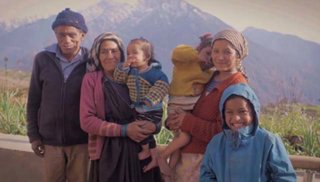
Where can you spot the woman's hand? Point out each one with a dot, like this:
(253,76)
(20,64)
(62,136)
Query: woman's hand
(140,130)
(175,119)
(149,127)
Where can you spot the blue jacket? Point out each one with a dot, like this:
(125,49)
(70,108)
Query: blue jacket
(252,154)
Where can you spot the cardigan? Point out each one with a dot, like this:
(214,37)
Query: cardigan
(92,114)
(204,121)
(53,101)
(151,85)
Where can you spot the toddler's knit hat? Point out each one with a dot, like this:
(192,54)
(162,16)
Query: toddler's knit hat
(205,41)
(236,39)
(68,17)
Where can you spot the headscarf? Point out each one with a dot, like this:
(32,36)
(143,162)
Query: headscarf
(236,39)
(94,62)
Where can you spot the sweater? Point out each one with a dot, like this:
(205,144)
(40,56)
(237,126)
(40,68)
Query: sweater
(92,114)
(204,121)
(186,71)
(53,102)
(151,85)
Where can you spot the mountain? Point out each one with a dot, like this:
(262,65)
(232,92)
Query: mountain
(2,29)
(279,66)
(283,63)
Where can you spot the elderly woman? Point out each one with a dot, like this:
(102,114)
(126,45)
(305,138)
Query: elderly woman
(106,116)
(228,49)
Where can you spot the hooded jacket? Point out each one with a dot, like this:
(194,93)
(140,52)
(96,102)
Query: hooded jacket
(249,154)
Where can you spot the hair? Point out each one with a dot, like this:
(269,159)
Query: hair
(146,47)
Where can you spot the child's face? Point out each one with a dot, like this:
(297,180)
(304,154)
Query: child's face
(204,58)
(238,113)
(224,56)
(137,57)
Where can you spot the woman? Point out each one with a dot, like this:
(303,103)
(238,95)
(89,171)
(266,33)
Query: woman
(106,115)
(228,50)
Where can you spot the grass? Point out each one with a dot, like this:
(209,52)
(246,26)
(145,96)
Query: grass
(297,124)
(12,112)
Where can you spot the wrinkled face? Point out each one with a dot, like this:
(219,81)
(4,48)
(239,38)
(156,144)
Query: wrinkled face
(109,56)
(137,56)
(238,113)
(205,58)
(224,56)
(69,40)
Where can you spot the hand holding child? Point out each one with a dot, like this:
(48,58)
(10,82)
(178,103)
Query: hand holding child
(174,120)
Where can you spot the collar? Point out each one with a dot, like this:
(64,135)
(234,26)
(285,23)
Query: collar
(54,48)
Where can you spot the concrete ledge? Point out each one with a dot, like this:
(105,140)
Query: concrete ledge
(305,162)
(18,162)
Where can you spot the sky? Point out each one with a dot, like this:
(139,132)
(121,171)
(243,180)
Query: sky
(296,17)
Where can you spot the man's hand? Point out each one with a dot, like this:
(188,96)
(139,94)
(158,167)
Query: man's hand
(38,148)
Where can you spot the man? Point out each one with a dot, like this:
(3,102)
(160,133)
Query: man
(53,102)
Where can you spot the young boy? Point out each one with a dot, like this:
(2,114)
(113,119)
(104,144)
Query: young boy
(244,151)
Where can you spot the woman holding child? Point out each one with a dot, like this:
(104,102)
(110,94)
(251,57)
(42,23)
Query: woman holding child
(106,115)
(228,49)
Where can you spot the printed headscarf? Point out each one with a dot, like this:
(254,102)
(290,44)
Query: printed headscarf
(94,62)
(236,39)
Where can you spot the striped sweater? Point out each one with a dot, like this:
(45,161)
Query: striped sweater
(151,85)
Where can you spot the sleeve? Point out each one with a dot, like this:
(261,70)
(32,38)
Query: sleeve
(158,91)
(89,120)
(207,173)
(201,129)
(120,74)
(279,164)
(33,103)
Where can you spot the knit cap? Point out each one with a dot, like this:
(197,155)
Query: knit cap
(68,17)
(186,71)
(236,39)
(205,41)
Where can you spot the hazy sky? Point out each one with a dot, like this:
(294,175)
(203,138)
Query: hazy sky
(297,17)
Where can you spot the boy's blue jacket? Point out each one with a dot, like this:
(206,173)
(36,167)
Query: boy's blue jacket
(251,154)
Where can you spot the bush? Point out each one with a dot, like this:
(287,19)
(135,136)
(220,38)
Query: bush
(298,126)
(12,112)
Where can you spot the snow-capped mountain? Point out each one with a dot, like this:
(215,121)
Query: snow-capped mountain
(278,65)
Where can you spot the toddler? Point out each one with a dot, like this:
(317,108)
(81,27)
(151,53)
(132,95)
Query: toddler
(148,86)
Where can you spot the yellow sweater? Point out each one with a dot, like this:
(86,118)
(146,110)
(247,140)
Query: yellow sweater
(186,71)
